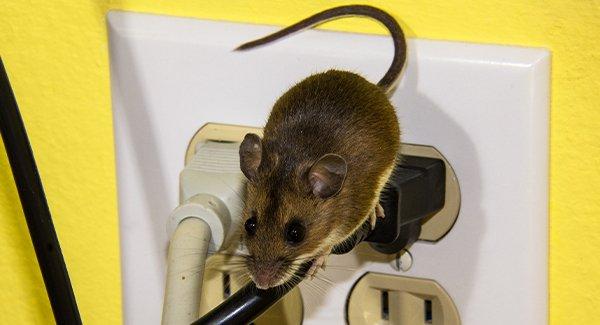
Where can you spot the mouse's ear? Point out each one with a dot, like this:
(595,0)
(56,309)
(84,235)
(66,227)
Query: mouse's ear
(327,175)
(250,155)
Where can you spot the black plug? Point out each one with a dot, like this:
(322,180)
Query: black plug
(416,190)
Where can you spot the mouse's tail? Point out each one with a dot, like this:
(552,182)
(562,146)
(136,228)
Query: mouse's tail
(391,76)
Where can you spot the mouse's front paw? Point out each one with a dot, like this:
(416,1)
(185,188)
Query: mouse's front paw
(319,263)
(378,212)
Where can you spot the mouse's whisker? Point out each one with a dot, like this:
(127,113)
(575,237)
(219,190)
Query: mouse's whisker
(324,279)
(340,267)
(217,269)
(222,266)
(307,258)
(198,251)
(232,256)
(226,268)
(188,254)
(192,270)
(313,288)
(232,264)
(228,259)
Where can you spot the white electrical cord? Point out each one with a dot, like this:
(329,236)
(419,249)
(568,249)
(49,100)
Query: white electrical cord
(210,187)
(187,254)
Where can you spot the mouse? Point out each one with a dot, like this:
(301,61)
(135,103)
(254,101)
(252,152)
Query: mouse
(328,148)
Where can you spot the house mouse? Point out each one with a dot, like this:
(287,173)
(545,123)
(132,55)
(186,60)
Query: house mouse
(329,146)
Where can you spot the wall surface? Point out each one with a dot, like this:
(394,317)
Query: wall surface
(57,58)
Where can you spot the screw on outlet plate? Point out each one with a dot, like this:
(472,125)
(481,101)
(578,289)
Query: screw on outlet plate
(403,261)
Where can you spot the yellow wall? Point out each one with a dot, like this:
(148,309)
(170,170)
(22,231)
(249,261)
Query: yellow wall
(56,55)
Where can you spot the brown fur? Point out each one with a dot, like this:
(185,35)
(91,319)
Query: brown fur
(332,112)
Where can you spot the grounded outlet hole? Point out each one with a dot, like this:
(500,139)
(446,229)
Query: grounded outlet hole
(428,314)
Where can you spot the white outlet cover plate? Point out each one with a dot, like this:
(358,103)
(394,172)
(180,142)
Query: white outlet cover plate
(485,107)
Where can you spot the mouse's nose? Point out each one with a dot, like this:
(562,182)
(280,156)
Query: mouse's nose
(266,275)
(264,279)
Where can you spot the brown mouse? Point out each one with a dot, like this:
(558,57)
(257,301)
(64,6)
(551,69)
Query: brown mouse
(328,149)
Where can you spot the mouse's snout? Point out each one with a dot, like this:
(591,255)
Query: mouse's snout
(267,274)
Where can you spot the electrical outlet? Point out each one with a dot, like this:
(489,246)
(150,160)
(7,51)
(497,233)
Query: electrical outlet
(378,298)
(484,107)
(405,294)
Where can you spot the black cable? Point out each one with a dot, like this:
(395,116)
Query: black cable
(35,207)
(249,302)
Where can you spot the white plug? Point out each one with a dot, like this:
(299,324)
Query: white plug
(211,189)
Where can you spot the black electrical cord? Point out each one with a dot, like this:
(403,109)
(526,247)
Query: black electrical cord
(249,302)
(35,207)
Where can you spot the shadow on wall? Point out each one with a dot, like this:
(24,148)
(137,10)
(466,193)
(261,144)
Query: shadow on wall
(426,116)
(144,145)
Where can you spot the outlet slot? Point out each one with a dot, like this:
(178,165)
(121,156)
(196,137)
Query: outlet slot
(385,305)
(428,315)
(226,285)
(402,301)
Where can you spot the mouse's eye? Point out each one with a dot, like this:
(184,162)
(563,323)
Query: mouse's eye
(294,232)
(250,226)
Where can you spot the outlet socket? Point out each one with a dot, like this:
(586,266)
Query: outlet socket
(378,298)
(436,226)
(409,299)
(218,132)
